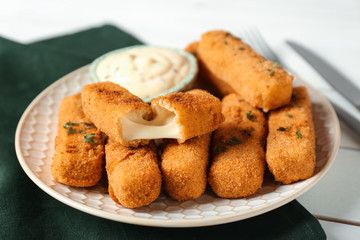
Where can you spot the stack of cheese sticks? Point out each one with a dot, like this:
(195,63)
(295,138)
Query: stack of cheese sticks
(260,122)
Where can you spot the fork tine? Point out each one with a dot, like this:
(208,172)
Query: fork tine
(254,38)
(247,36)
(264,46)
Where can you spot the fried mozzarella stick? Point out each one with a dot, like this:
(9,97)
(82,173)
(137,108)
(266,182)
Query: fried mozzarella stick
(106,103)
(133,173)
(206,80)
(184,167)
(260,82)
(238,157)
(194,113)
(130,121)
(79,150)
(290,153)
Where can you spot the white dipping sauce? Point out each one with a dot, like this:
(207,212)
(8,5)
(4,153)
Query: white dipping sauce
(144,71)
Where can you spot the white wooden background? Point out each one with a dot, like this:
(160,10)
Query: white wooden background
(331,27)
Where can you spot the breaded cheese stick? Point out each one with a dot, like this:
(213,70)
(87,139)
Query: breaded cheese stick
(79,150)
(206,80)
(260,82)
(130,121)
(195,112)
(192,48)
(291,154)
(184,167)
(133,173)
(238,157)
(106,103)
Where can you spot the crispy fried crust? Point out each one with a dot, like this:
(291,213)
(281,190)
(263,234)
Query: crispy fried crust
(289,157)
(253,77)
(192,48)
(133,173)
(106,102)
(206,80)
(238,164)
(184,167)
(75,162)
(197,112)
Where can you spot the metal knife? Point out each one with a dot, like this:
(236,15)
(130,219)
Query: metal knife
(337,80)
(342,84)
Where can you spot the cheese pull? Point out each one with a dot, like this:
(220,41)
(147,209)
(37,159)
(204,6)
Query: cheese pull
(128,120)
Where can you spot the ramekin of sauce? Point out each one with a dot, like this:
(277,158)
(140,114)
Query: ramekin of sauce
(147,71)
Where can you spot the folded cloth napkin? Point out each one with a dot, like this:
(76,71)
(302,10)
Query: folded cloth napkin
(26,212)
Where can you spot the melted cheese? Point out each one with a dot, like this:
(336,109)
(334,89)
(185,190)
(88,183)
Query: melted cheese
(164,125)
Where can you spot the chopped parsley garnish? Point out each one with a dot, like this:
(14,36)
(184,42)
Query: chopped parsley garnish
(89,139)
(81,131)
(241,48)
(80,106)
(295,105)
(220,149)
(230,142)
(271,72)
(88,125)
(282,129)
(69,124)
(70,131)
(233,141)
(288,115)
(298,134)
(250,115)
(252,129)
(275,64)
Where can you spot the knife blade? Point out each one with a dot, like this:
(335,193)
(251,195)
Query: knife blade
(341,83)
(350,120)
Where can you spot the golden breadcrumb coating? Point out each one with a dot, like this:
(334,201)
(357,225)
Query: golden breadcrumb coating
(238,157)
(184,167)
(197,112)
(106,102)
(259,81)
(291,153)
(192,48)
(206,80)
(76,162)
(133,173)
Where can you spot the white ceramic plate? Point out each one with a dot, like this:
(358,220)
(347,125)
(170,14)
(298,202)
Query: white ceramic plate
(34,142)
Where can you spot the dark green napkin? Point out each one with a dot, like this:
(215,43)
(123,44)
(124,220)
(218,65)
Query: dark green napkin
(26,212)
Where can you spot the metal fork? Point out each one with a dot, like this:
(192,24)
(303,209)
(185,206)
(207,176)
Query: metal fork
(253,37)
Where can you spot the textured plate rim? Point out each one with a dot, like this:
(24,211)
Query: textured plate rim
(172,223)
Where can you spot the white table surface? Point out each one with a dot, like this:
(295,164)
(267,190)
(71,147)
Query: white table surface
(332,28)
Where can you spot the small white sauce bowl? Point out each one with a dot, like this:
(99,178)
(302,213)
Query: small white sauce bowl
(185,84)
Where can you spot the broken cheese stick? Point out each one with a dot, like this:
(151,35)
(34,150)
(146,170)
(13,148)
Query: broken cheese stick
(130,121)
(195,112)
